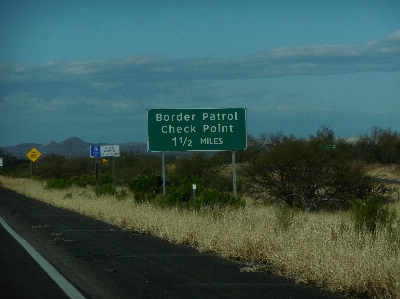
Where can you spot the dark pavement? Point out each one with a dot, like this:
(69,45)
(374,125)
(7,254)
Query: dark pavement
(20,275)
(103,261)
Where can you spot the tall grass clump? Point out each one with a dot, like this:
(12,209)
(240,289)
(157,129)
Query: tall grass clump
(105,189)
(372,214)
(58,183)
(285,216)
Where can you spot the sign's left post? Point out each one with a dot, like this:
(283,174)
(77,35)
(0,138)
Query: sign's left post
(33,155)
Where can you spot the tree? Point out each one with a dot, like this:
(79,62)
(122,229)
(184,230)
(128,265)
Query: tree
(9,162)
(197,165)
(381,145)
(307,172)
(52,166)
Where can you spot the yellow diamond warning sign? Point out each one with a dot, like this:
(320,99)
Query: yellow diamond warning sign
(33,154)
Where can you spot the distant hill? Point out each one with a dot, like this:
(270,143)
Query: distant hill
(81,148)
(76,146)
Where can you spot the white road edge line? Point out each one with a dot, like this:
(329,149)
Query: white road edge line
(62,282)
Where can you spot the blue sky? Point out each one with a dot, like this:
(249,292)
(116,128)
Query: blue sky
(91,69)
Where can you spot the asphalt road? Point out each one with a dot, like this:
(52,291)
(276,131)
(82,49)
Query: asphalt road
(103,261)
(387,181)
(18,266)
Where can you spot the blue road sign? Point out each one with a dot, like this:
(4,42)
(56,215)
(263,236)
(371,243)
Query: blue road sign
(95,151)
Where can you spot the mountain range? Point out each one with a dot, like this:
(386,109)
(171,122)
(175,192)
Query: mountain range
(72,146)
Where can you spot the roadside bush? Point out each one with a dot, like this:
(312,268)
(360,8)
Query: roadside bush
(122,194)
(285,216)
(106,189)
(84,180)
(198,165)
(131,164)
(146,183)
(176,196)
(77,166)
(381,145)
(372,214)
(52,166)
(312,170)
(141,197)
(182,196)
(146,187)
(58,184)
(212,197)
(105,179)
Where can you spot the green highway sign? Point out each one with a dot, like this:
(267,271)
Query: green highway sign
(330,147)
(196,129)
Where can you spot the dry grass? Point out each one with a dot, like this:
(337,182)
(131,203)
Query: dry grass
(321,249)
(383,171)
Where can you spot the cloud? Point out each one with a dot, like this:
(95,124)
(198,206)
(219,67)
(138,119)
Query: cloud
(147,78)
(122,89)
(380,55)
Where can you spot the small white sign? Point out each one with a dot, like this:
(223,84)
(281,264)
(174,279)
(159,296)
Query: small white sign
(1,162)
(109,151)
(98,151)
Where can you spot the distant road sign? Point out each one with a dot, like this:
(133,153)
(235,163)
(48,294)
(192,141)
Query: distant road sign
(98,151)
(109,150)
(95,151)
(329,147)
(196,129)
(33,154)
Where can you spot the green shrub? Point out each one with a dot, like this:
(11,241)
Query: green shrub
(213,197)
(285,216)
(58,184)
(106,189)
(120,195)
(84,180)
(105,179)
(181,194)
(146,183)
(147,189)
(177,196)
(141,197)
(372,214)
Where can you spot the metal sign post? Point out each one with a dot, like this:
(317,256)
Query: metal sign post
(194,194)
(33,155)
(163,172)
(234,173)
(113,172)
(95,172)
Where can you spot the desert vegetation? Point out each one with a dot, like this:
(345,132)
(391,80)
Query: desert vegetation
(306,209)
